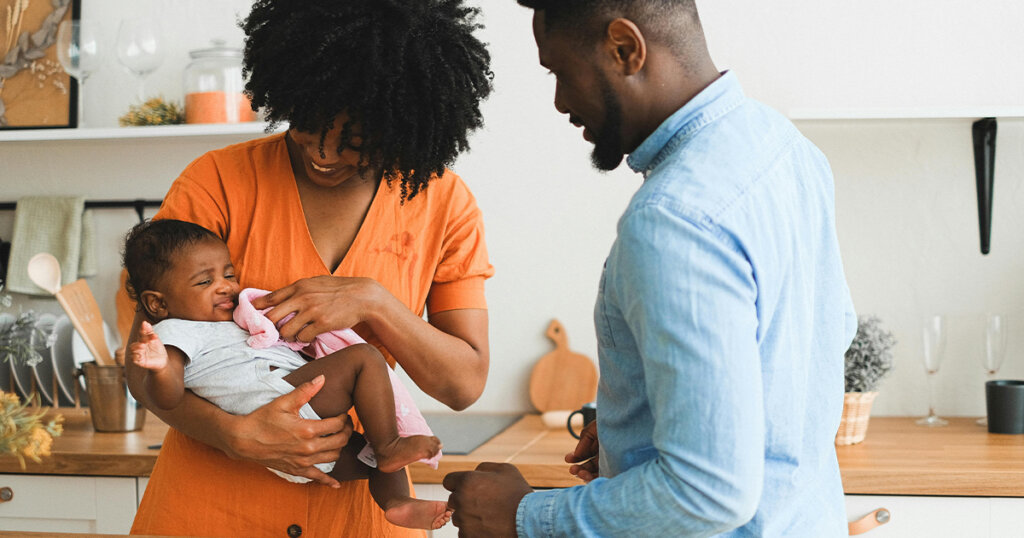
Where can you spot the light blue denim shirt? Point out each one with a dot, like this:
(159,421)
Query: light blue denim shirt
(722,318)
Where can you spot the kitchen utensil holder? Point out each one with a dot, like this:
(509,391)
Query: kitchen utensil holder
(111,407)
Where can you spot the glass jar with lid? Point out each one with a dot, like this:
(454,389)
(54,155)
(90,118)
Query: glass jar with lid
(214,86)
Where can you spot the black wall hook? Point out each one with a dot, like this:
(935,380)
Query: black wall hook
(984,134)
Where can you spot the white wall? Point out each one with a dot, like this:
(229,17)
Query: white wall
(905,200)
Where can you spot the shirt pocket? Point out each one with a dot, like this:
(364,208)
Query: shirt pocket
(602,325)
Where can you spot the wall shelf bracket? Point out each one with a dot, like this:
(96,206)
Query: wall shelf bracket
(984,133)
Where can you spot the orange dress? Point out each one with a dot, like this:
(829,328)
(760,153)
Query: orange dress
(429,253)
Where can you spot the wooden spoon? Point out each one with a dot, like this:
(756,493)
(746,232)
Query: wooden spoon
(77,300)
(44,271)
(562,379)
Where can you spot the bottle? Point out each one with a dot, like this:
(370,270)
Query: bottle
(214,85)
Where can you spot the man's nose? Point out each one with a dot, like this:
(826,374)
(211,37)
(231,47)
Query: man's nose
(559,101)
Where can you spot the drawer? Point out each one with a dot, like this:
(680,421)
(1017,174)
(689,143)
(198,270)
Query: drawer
(45,503)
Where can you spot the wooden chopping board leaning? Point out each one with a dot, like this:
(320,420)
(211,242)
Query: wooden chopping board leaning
(562,380)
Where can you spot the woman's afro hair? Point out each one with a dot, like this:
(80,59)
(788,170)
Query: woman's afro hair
(408,74)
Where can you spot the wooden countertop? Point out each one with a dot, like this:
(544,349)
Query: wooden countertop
(538,452)
(81,450)
(897,458)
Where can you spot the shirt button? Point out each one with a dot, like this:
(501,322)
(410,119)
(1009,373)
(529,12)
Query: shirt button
(294,531)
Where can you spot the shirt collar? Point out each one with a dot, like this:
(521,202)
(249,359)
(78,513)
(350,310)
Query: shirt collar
(721,96)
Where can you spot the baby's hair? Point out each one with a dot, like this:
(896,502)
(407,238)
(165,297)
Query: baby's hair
(150,248)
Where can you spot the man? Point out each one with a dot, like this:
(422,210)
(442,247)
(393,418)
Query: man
(722,315)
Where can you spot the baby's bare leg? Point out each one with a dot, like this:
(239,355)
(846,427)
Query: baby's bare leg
(391,492)
(358,375)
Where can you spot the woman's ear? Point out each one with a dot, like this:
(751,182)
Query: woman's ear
(153,305)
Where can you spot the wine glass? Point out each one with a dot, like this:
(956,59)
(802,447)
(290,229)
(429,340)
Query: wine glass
(934,345)
(995,349)
(79,51)
(140,49)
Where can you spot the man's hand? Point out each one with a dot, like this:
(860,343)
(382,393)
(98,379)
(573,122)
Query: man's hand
(485,500)
(148,351)
(584,457)
(276,436)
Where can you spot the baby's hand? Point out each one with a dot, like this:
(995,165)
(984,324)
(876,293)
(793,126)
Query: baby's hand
(148,352)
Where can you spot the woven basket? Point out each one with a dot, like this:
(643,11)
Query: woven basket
(856,412)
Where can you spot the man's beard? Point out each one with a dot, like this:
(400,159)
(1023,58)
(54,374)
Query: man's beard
(607,154)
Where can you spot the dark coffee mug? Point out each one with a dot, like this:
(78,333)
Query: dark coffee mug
(589,412)
(1004,399)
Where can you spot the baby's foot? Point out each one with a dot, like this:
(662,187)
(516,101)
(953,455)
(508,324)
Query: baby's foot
(418,514)
(405,450)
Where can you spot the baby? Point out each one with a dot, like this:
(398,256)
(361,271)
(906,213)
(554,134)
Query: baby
(183,279)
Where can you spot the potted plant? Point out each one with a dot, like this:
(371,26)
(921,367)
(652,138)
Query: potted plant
(25,430)
(21,339)
(19,336)
(868,360)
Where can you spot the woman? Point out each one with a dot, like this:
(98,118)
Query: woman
(353,218)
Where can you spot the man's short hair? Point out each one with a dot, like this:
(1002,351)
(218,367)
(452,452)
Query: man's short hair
(663,20)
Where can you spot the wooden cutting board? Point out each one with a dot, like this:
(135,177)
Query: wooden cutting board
(562,379)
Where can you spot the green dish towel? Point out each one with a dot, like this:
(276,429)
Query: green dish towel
(59,225)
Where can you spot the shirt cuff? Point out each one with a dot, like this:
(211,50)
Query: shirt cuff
(536,514)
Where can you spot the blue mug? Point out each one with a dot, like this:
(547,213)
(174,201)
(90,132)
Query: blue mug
(589,412)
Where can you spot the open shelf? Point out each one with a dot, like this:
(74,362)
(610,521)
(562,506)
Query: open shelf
(158,131)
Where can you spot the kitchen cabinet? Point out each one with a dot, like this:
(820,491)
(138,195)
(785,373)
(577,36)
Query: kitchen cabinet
(85,504)
(976,517)
(952,481)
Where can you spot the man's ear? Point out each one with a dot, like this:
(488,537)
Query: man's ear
(153,305)
(625,44)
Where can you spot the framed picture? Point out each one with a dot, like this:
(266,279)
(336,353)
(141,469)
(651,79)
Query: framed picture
(35,91)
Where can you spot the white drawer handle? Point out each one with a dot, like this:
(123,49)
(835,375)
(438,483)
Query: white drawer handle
(6,494)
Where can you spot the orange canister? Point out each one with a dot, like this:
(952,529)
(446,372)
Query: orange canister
(214,86)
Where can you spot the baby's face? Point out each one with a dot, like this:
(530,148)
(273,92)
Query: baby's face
(201,284)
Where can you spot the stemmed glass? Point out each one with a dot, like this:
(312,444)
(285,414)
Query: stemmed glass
(995,349)
(934,345)
(79,51)
(140,49)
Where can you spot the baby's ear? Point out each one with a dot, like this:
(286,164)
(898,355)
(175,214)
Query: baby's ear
(153,305)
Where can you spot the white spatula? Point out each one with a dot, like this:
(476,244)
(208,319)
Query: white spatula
(77,300)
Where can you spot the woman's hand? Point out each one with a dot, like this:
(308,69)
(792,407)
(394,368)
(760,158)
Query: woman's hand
(276,436)
(447,358)
(321,304)
(584,457)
